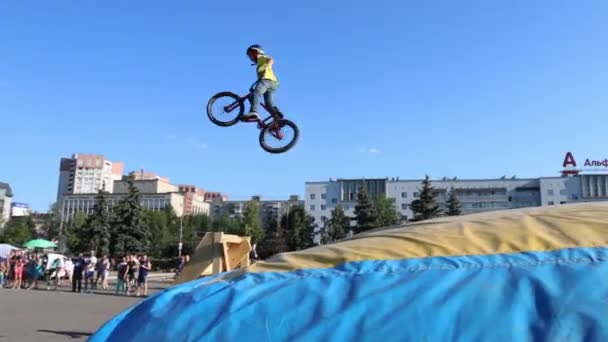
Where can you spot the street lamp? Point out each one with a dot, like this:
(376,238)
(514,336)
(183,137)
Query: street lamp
(181,231)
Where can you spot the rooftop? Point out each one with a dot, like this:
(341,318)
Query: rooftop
(443,179)
(7,188)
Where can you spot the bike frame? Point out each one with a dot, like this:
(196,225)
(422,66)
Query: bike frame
(262,124)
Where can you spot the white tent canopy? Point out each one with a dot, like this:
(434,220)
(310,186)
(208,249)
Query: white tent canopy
(5,249)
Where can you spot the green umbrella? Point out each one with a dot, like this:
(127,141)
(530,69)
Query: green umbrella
(39,243)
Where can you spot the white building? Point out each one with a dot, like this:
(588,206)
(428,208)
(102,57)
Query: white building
(475,195)
(87,174)
(6,195)
(155,194)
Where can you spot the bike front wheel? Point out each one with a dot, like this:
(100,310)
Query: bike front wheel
(279,131)
(225,109)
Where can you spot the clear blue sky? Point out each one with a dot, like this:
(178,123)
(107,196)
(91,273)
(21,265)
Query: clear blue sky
(386,88)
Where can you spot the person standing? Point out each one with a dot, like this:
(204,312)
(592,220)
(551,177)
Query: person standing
(19,270)
(142,276)
(77,274)
(3,272)
(121,276)
(89,274)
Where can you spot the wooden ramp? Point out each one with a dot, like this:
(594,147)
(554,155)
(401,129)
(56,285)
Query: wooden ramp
(216,253)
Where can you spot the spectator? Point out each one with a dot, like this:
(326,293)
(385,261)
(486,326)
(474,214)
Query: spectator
(69,269)
(122,272)
(142,277)
(36,271)
(180,267)
(89,274)
(105,272)
(19,266)
(11,267)
(77,273)
(98,271)
(132,267)
(56,271)
(3,272)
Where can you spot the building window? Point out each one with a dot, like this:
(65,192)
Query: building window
(551,203)
(403,206)
(312,196)
(312,207)
(416,195)
(562,202)
(403,217)
(334,200)
(550,192)
(323,207)
(404,195)
(323,219)
(323,196)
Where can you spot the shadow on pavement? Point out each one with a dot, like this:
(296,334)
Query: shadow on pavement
(72,334)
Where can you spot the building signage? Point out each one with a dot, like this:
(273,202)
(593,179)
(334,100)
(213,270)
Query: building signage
(20,209)
(571,167)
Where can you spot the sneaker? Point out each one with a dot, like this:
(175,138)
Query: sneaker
(251,116)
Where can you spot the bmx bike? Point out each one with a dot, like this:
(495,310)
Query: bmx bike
(272,127)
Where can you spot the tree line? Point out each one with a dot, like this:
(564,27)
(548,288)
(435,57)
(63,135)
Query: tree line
(127,227)
(371,213)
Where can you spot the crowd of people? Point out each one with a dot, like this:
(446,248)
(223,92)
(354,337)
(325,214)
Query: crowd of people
(25,269)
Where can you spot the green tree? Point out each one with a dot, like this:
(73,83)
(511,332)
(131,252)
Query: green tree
(160,233)
(273,241)
(365,212)
(227,224)
(130,233)
(51,224)
(77,233)
(299,228)
(426,206)
(308,232)
(338,224)
(251,224)
(99,225)
(386,212)
(18,230)
(194,228)
(200,225)
(453,205)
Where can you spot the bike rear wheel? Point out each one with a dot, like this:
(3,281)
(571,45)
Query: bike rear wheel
(218,106)
(276,132)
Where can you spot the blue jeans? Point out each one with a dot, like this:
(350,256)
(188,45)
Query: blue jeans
(266,88)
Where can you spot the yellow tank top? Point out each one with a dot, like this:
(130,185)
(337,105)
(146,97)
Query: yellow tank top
(264,70)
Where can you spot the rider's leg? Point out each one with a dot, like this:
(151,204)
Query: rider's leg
(268,96)
(260,89)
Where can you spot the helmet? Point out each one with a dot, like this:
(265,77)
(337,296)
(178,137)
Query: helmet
(255,47)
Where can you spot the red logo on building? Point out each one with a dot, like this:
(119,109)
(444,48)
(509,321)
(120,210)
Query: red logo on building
(569,163)
(590,165)
(569,160)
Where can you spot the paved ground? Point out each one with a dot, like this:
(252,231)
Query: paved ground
(41,315)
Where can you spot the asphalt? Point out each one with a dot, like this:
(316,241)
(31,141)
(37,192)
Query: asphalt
(60,315)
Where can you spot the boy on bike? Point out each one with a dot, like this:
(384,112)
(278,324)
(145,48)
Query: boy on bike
(267,81)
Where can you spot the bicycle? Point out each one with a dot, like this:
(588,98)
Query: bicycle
(273,128)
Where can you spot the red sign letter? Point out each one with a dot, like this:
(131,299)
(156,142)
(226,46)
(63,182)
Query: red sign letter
(569,160)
